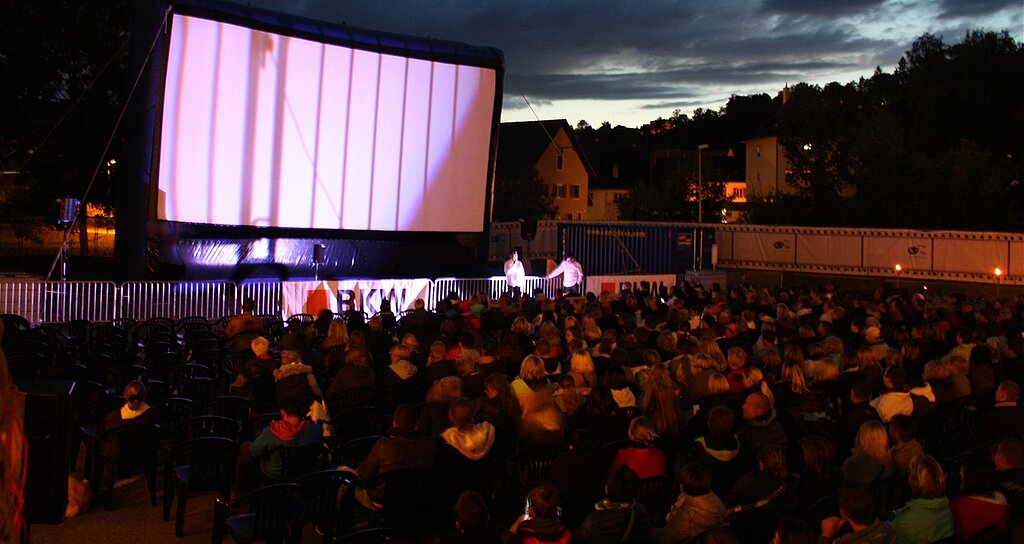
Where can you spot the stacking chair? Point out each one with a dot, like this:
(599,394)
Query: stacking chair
(200,464)
(211,425)
(265,515)
(175,413)
(132,446)
(327,497)
(353,452)
(656,495)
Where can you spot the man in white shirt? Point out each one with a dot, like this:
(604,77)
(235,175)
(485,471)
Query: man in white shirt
(515,275)
(571,272)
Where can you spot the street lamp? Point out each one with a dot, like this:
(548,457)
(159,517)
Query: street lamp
(700,204)
(898,269)
(999,278)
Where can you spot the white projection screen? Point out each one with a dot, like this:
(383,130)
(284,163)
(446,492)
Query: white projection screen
(265,130)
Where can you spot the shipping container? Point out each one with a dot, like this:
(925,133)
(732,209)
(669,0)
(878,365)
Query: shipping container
(621,248)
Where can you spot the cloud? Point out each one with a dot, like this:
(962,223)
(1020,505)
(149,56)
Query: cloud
(827,8)
(667,53)
(974,8)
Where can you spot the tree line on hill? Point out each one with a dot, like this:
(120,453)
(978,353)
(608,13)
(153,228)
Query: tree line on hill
(936,144)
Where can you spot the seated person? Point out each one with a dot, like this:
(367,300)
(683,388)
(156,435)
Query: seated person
(135,411)
(291,431)
(402,449)
(618,517)
(856,521)
(540,522)
(894,399)
(640,455)
(471,520)
(979,505)
(245,322)
(696,510)
(926,517)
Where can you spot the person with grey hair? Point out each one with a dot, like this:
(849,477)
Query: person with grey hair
(468,365)
(640,455)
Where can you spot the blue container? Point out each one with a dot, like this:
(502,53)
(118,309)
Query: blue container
(608,249)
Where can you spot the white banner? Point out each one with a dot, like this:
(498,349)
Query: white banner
(617,284)
(310,297)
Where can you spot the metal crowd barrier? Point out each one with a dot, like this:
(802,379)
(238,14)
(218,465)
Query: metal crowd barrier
(55,301)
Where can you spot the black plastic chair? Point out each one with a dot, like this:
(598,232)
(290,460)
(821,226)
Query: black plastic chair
(129,446)
(376,535)
(297,461)
(529,466)
(231,407)
(174,415)
(327,502)
(208,425)
(356,422)
(265,515)
(411,504)
(200,464)
(655,494)
(353,452)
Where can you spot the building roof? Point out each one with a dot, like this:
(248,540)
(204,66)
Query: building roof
(521,144)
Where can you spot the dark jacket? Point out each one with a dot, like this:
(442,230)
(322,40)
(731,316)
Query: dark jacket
(612,522)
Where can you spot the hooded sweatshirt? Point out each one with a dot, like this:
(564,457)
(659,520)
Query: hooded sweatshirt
(923,520)
(474,442)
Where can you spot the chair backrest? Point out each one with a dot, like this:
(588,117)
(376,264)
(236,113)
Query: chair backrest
(353,398)
(174,415)
(298,460)
(269,513)
(655,494)
(229,406)
(375,535)
(529,466)
(324,494)
(135,444)
(211,425)
(354,451)
(356,422)
(211,461)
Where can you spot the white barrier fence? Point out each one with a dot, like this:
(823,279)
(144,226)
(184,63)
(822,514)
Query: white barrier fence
(56,301)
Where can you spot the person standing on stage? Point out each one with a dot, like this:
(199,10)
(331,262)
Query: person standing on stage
(571,272)
(515,275)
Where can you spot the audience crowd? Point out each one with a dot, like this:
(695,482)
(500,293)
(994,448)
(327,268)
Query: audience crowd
(688,414)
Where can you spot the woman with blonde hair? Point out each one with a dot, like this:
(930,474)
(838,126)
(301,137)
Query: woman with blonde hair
(337,335)
(591,331)
(581,368)
(710,347)
(871,459)
(926,517)
(532,377)
(703,367)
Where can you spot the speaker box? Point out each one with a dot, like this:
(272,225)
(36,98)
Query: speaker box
(48,418)
(528,228)
(319,253)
